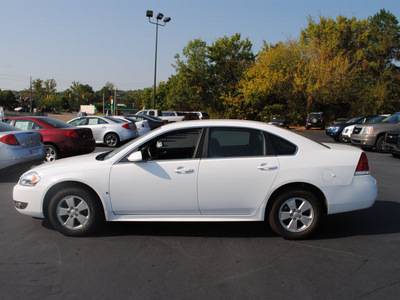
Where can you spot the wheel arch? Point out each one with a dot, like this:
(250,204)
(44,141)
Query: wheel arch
(297,186)
(69,184)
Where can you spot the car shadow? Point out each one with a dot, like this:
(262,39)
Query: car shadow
(12,174)
(380,219)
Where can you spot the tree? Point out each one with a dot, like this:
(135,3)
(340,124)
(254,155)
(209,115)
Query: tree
(7,99)
(50,86)
(207,73)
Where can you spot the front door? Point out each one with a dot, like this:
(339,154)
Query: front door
(165,182)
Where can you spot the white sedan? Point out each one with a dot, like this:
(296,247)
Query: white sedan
(216,170)
(142,126)
(107,130)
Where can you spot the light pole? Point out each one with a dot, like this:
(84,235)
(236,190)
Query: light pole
(159,17)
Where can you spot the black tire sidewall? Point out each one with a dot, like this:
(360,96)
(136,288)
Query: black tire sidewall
(274,214)
(116,138)
(94,207)
(379,143)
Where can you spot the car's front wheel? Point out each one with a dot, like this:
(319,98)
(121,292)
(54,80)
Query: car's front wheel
(74,211)
(111,140)
(295,214)
(379,144)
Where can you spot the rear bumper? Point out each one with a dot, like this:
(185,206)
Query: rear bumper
(360,194)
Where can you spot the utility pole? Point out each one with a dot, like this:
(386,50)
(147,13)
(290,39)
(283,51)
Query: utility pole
(30,99)
(103,103)
(115,102)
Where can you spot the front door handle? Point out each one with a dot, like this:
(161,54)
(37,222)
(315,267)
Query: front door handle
(183,170)
(265,166)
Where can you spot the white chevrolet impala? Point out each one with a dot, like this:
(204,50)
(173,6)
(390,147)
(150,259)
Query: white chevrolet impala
(216,170)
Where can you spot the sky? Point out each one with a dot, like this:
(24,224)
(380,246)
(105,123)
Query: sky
(98,41)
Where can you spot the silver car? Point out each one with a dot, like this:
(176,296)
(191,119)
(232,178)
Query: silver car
(20,147)
(107,130)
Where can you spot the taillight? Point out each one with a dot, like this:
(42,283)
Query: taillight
(9,139)
(183,119)
(126,126)
(72,134)
(363,166)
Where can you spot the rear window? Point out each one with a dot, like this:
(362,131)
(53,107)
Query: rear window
(56,123)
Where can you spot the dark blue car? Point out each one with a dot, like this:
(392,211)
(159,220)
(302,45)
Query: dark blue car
(335,131)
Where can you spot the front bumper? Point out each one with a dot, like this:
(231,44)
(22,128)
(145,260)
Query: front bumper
(363,140)
(392,148)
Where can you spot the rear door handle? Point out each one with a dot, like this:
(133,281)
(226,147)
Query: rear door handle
(265,166)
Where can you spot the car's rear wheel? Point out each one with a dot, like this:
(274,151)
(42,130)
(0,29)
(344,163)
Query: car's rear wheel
(51,153)
(295,214)
(111,140)
(74,211)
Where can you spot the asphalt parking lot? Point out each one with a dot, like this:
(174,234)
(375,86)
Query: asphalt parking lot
(353,256)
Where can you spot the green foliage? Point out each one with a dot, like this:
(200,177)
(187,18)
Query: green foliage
(7,99)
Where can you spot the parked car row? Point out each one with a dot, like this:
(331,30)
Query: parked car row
(380,132)
(64,139)
(174,116)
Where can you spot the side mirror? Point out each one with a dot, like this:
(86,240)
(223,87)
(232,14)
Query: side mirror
(135,157)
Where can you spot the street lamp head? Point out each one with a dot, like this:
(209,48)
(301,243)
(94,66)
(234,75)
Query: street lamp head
(167,19)
(160,16)
(149,13)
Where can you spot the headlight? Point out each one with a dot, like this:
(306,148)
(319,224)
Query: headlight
(334,128)
(29,179)
(368,130)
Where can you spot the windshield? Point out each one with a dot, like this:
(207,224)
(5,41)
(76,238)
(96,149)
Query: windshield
(392,119)
(352,120)
(377,119)
(123,147)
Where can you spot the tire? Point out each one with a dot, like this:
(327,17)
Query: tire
(341,139)
(111,140)
(75,212)
(51,153)
(295,214)
(308,127)
(378,145)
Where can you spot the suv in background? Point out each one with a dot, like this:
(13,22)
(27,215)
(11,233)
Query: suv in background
(315,119)
(369,136)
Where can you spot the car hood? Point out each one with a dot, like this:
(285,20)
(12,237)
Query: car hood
(70,162)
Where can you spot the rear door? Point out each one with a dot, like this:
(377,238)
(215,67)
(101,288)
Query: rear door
(237,174)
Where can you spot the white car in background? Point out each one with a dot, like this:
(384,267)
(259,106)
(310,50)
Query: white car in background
(142,126)
(208,171)
(107,130)
(347,131)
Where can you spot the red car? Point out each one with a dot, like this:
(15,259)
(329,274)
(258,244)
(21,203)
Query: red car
(61,139)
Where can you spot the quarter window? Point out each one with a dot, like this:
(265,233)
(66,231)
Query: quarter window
(281,146)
